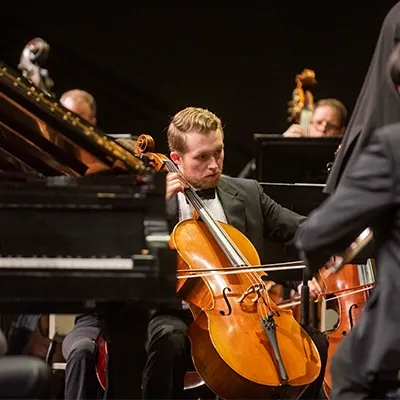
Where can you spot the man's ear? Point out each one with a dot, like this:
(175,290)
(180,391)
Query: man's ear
(342,131)
(175,157)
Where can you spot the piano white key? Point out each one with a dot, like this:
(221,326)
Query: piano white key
(67,263)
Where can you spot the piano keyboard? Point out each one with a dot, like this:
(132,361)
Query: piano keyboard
(67,263)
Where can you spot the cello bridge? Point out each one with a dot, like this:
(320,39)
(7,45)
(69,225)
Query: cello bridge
(257,289)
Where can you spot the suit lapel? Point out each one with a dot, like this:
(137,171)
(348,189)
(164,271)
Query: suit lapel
(233,205)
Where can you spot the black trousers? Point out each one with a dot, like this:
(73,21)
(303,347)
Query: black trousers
(20,332)
(24,377)
(168,357)
(79,351)
(125,333)
(350,381)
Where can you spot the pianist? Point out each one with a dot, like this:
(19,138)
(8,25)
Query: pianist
(78,346)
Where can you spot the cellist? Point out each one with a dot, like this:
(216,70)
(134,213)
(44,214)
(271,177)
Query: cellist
(196,142)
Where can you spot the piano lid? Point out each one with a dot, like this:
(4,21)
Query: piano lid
(39,136)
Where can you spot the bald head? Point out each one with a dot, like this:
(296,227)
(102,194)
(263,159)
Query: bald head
(81,103)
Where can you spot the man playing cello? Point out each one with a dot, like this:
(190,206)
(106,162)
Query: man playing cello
(196,142)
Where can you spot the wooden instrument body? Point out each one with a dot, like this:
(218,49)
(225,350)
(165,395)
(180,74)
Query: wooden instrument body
(230,348)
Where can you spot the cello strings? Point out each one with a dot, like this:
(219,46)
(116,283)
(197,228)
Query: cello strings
(198,204)
(265,267)
(232,270)
(335,297)
(255,279)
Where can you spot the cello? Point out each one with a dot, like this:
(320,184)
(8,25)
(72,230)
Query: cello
(347,292)
(243,344)
(344,293)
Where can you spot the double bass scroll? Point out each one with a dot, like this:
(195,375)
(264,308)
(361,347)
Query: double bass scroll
(302,104)
(32,59)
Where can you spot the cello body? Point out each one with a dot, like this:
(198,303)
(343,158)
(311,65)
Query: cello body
(230,348)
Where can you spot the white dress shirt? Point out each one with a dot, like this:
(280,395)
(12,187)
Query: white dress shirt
(185,211)
(214,205)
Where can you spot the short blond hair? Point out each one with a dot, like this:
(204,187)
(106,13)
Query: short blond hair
(191,119)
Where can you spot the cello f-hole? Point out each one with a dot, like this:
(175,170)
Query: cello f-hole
(351,315)
(226,289)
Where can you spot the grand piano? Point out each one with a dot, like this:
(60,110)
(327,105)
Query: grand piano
(83,220)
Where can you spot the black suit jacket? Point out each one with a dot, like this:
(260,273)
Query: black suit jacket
(368,196)
(251,211)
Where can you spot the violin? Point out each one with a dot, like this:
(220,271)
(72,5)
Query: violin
(243,344)
(302,103)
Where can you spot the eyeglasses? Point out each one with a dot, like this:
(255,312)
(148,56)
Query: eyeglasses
(323,125)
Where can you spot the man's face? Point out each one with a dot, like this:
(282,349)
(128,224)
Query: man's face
(80,108)
(202,163)
(325,122)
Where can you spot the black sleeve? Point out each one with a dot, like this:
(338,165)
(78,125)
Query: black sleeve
(366,191)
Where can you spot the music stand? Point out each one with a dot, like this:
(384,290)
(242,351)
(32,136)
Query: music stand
(293,160)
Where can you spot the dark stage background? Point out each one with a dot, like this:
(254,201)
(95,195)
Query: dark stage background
(145,60)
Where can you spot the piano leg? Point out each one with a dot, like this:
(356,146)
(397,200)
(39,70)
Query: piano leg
(126,334)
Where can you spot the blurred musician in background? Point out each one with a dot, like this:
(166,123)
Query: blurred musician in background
(81,103)
(329,118)
(366,363)
(79,349)
(84,105)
